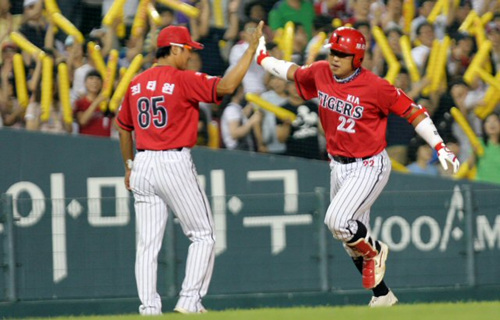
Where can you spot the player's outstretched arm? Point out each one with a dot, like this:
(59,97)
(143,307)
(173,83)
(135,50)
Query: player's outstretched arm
(427,130)
(232,79)
(279,68)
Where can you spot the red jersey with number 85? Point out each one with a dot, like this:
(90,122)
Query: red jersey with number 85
(161,106)
(353,114)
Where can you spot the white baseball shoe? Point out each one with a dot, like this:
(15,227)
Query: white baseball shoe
(184,311)
(149,311)
(374,268)
(384,301)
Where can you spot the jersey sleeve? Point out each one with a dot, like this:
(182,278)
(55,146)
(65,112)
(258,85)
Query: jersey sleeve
(392,99)
(124,117)
(201,87)
(305,81)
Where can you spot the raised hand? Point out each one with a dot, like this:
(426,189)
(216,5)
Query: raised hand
(256,35)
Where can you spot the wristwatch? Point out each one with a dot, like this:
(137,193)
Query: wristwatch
(129,163)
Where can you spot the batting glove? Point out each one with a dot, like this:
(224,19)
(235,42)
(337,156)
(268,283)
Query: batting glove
(261,52)
(445,155)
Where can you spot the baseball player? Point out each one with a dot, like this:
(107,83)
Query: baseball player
(161,107)
(353,107)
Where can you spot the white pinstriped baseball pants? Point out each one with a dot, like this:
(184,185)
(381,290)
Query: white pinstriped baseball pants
(354,187)
(169,178)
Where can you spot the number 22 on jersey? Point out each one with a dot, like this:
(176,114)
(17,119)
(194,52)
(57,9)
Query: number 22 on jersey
(346,124)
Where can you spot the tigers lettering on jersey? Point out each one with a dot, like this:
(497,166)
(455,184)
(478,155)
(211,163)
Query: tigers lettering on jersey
(349,108)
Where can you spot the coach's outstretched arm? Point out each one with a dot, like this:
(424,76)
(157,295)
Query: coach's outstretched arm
(232,79)
(280,68)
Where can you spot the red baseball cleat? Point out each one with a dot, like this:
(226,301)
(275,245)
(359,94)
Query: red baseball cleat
(374,268)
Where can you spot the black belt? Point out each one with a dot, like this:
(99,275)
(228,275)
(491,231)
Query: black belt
(346,160)
(176,149)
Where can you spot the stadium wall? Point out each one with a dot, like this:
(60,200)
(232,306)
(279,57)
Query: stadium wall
(68,232)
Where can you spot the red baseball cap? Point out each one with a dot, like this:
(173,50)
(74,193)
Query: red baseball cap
(176,35)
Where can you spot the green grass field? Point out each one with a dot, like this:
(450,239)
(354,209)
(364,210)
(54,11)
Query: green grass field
(441,311)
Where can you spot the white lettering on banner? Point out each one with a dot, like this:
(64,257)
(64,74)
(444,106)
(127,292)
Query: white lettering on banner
(408,232)
(59,253)
(386,233)
(94,186)
(486,234)
(290,185)
(278,227)
(412,233)
(434,231)
(456,204)
(218,186)
(37,203)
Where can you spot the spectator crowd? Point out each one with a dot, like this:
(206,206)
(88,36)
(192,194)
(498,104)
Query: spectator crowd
(455,30)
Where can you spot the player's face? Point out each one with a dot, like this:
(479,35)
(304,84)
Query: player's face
(340,64)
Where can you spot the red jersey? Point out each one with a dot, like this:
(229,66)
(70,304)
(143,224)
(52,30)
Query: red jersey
(161,106)
(98,125)
(353,114)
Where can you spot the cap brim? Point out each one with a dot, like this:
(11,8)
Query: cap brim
(196,45)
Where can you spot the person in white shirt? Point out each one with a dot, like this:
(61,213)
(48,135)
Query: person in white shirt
(274,135)
(238,122)
(420,54)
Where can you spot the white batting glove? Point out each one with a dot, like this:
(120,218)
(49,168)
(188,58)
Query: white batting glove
(445,155)
(261,52)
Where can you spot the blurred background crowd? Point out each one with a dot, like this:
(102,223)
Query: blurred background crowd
(65,64)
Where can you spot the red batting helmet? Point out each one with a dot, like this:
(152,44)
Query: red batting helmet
(348,40)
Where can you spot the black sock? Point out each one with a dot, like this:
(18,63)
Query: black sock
(381,289)
(357,230)
(358,262)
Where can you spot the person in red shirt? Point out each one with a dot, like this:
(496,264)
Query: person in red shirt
(354,105)
(161,107)
(91,120)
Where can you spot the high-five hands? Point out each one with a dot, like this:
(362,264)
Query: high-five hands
(261,52)
(256,36)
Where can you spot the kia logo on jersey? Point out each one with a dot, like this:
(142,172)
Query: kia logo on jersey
(341,106)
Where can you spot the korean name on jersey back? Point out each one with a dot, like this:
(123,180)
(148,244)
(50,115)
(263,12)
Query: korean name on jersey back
(349,108)
(167,88)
